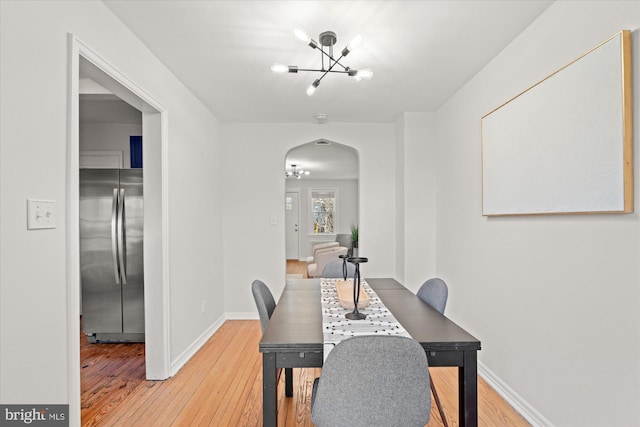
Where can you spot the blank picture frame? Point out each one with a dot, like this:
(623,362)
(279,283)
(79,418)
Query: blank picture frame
(564,146)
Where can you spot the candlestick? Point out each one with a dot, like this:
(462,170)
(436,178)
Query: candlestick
(355,314)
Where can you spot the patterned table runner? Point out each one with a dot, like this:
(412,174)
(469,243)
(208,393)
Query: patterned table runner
(336,327)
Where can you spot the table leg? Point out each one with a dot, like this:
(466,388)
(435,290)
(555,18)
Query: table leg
(269,390)
(288,382)
(468,390)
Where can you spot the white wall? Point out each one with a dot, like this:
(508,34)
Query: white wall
(109,136)
(416,194)
(33,163)
(399,194)
(555,300)
(254,191)
(347,207)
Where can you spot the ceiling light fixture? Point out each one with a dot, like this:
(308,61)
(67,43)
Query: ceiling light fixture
(295,173)
(321,118)
(327,40)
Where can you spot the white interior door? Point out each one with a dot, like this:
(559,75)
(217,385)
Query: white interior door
(292,222)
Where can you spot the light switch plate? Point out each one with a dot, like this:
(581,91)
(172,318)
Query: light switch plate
(41,214)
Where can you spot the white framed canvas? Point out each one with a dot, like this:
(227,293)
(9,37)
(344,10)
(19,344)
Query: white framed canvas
(564,145)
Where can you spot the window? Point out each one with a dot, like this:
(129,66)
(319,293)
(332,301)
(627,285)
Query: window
(323,211)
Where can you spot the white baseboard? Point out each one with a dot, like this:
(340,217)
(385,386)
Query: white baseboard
(242,316)
(535,418)
(184,357)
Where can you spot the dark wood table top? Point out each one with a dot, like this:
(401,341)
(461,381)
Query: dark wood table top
(296,323)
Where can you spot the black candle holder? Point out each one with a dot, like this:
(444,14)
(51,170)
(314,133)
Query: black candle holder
(344,266)
(355,314)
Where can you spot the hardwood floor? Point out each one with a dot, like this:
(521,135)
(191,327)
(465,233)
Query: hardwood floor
(222,386)
(108,375)
(297,267)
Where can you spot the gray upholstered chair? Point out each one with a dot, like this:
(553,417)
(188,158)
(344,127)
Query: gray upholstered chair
(333,270)
(264,301)
(266,304)
(435,293)
(375,380)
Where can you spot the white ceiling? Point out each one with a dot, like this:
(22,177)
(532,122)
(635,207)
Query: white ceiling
(421,52)
(107,109)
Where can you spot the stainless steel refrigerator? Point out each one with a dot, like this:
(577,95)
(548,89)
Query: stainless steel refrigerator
(111,255)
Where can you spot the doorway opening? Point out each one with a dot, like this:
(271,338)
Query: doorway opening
(321,206)
(86,64)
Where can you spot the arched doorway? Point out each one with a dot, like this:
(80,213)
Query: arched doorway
(323,205)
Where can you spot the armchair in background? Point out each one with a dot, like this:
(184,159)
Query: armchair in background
(320,247)
(322,258)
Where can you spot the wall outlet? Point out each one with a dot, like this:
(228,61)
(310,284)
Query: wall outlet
(41,214)
(204,306)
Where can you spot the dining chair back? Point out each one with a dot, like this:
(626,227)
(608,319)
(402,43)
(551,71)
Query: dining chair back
(376,380)
(333,270)
(435,293)
(266,304)
(264,301)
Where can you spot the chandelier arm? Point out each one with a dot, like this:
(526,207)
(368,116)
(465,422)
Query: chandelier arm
(334,64)
(336,61)
(329,70)
(324,71)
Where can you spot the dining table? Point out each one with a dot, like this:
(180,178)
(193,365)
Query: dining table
(294,339)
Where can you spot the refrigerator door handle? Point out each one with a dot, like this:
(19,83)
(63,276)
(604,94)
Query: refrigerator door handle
(121,243)
(114,233)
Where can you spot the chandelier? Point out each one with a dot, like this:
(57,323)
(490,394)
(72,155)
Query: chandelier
(327,40)
(296,173)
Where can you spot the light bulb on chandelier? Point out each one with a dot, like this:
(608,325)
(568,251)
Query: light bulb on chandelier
(312,88)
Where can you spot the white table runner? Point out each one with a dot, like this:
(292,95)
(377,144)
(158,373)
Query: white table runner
(335,327)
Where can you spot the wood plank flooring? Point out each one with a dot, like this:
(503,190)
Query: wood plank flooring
(108,375)
(222,386)
(297,267)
